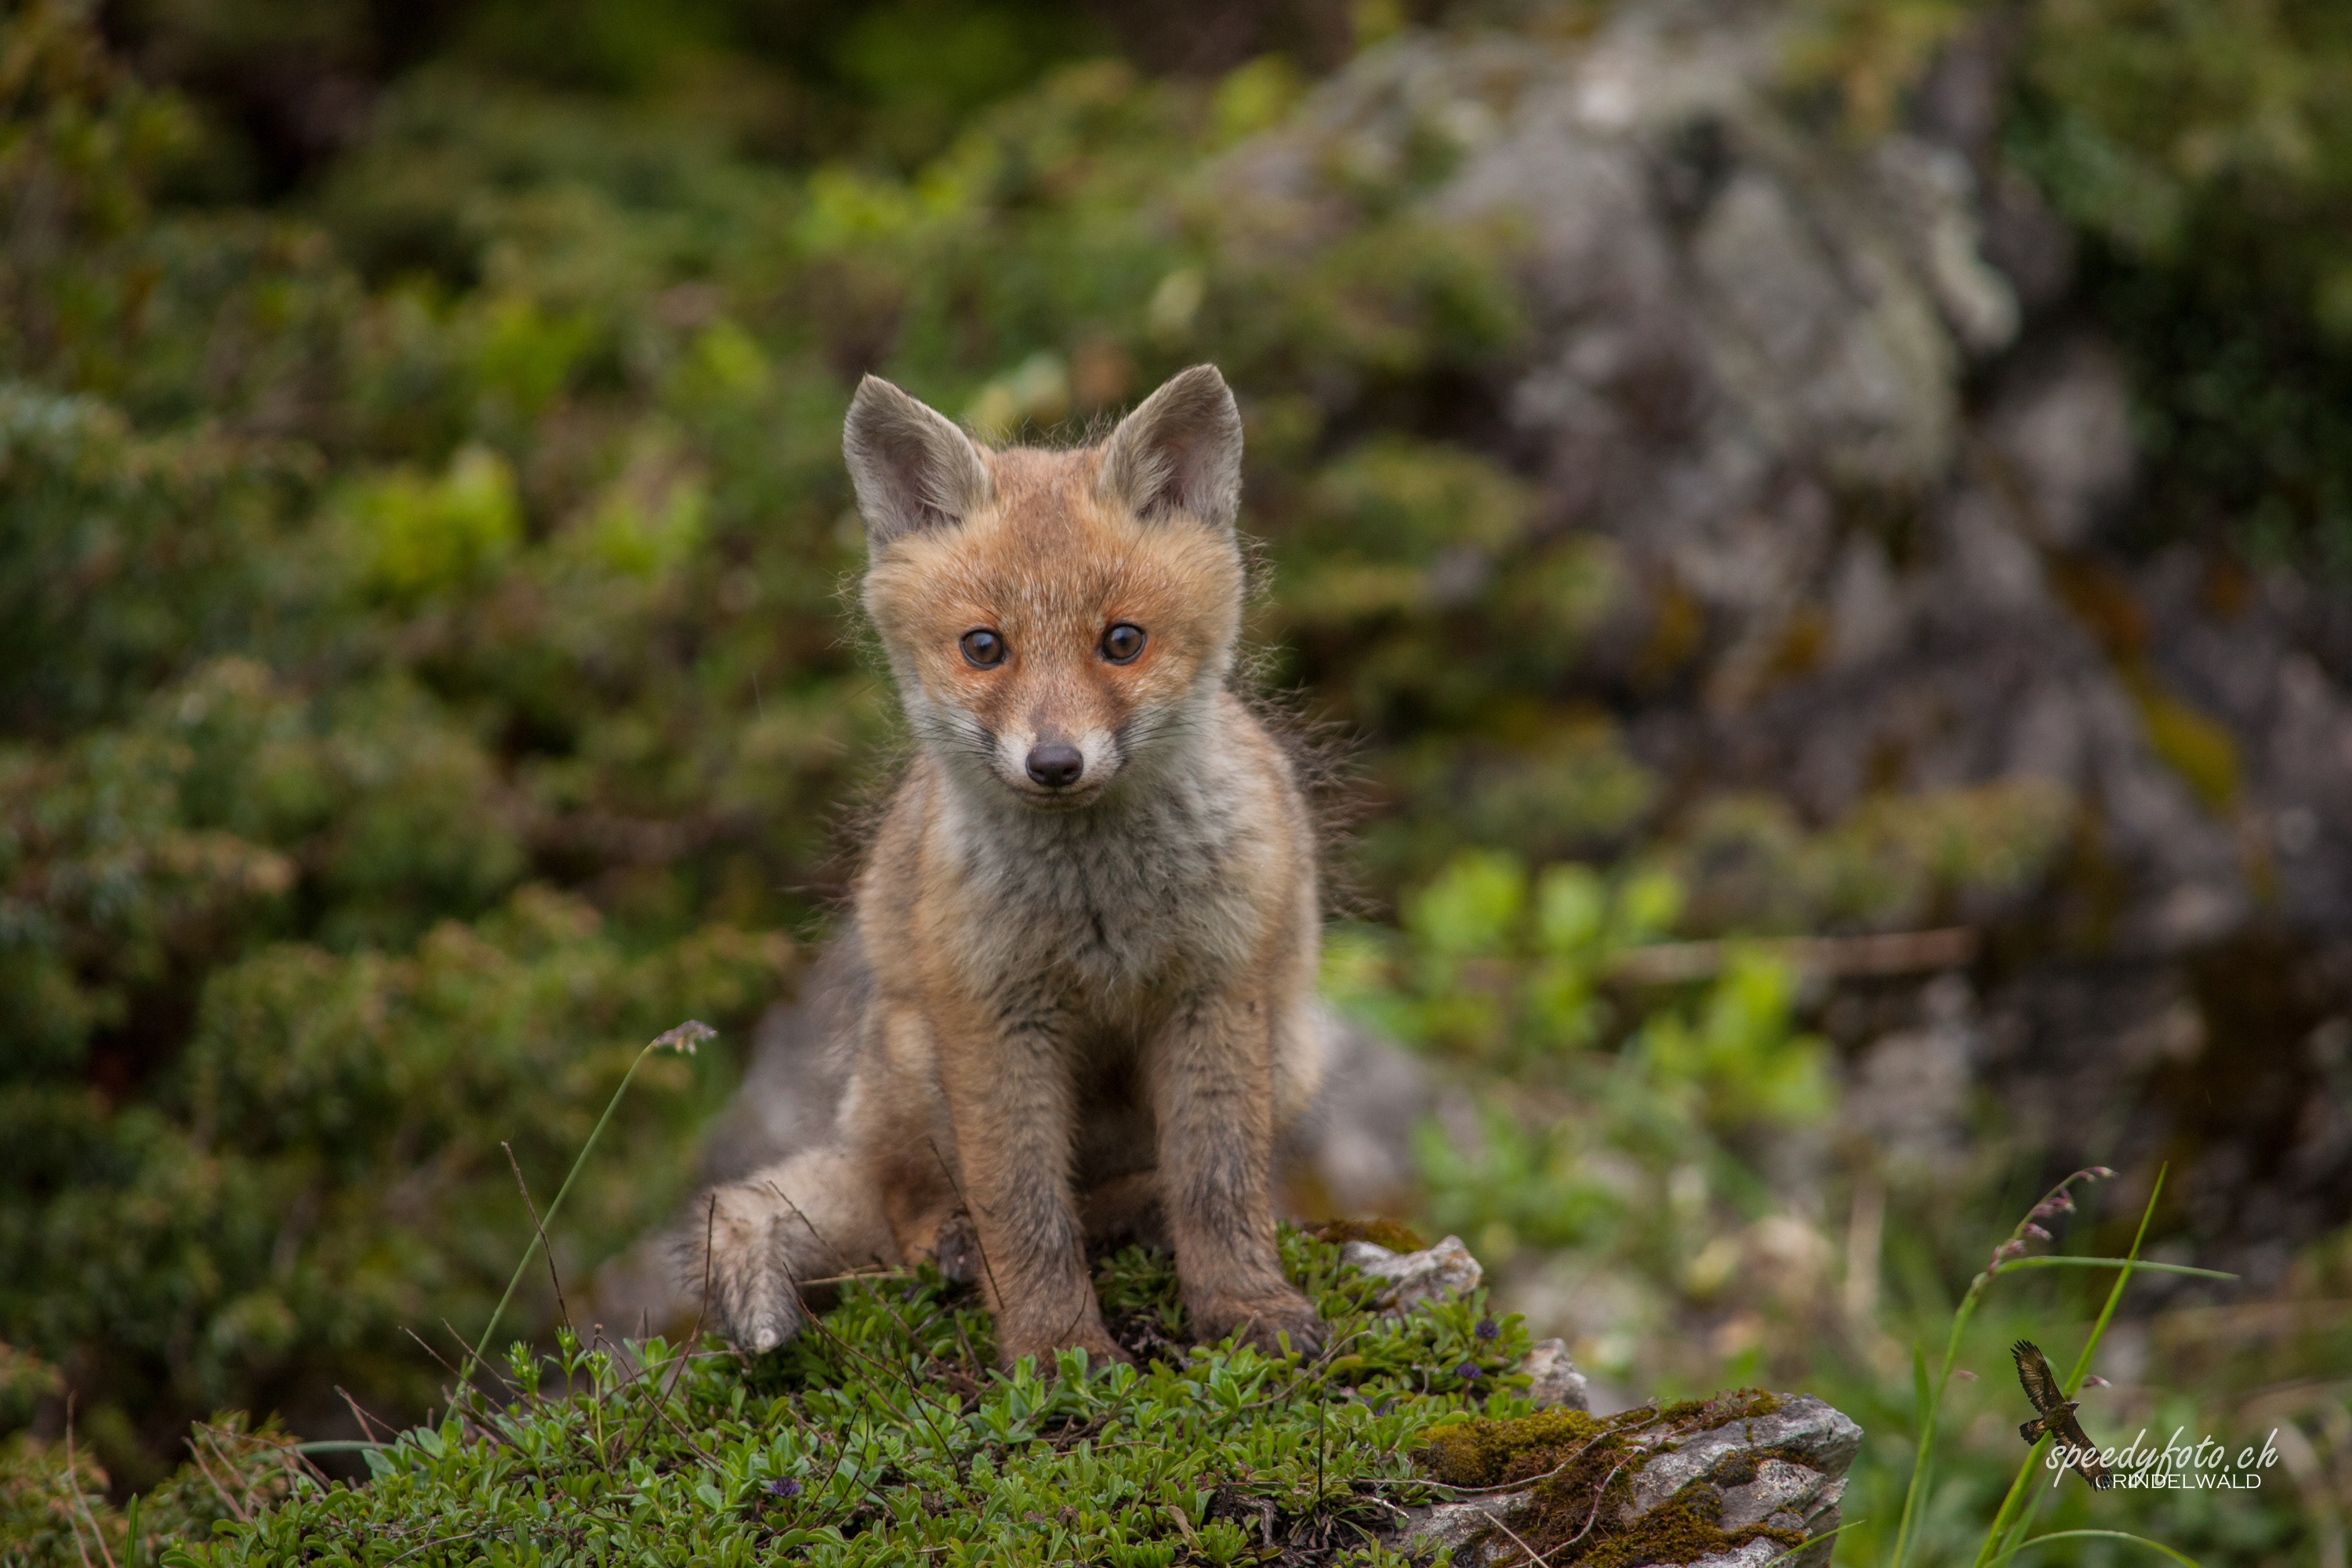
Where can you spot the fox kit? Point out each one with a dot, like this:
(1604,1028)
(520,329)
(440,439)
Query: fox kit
(1085,936)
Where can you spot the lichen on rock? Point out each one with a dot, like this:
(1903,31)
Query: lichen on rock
(1742,1478)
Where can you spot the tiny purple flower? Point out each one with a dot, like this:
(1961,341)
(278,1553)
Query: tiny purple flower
(1468,1372)
(788,1487)
(2037,1233)
(2103,1173)
(1487,1328)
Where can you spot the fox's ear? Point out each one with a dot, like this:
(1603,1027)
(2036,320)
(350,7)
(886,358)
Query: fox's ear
(911,467)
(1179,451)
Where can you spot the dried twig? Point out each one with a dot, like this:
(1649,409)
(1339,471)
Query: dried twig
(995,1295)
(1829,957)
(546,1247)
(1533,1555)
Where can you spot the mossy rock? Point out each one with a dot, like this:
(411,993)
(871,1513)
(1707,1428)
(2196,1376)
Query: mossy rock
(1741,1477)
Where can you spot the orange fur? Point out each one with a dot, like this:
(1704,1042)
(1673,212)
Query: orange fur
(1087,1001)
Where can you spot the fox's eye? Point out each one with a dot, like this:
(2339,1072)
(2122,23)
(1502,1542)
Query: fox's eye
(1122,643)
(983,649)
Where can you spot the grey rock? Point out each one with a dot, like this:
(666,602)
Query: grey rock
(1554,1382)
(2066,440)
(1432,1274)
(1823,1437)
(1786,1470)
(1353,1147)
(1461,1528)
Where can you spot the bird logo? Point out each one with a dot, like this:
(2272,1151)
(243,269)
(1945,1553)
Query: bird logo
(2057,1420)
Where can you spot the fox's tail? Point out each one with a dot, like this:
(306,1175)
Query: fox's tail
(758,1242)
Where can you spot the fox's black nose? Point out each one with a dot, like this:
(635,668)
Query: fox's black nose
(1056,765)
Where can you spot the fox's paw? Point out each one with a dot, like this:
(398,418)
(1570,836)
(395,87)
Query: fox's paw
(744,1277)
(1262,1321)
(957,1251)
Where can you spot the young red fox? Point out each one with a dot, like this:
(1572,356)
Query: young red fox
(1086,935)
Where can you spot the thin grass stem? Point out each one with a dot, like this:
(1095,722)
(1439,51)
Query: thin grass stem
(683,1038)
(2179,1557)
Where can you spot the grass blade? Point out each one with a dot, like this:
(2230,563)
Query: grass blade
(1814,1541)
(2179,1557)
(2134,1264)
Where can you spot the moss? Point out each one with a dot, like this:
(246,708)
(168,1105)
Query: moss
(1581,1469)
(1395,1235)
(2200,750)
(1737,1471)
(1720,1409)
(1488,1453)
(1683,1530)
(883,1436)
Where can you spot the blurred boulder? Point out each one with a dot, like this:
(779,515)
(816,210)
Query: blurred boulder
(1432,1274)
(1553,1380)
(1871,491)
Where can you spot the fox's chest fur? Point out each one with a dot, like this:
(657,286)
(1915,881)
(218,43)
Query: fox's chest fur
(1149,893)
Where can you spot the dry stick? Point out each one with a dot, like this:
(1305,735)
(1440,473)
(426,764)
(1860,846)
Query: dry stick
(546,1247)
(1564,1464)
(913,1388)
(367,1424)
(443,1541)
(464,1387)
(995,1295)
(693,1335)
(686,1351)
(1598,1498)
(235,1507)
(1533,1555)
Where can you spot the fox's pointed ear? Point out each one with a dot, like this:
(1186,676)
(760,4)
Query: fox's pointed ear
(911,467)
(1179,451)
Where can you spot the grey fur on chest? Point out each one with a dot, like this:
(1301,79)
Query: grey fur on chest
(1138,892)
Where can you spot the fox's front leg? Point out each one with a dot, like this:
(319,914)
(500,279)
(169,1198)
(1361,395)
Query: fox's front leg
(1210,1073)
(1009,1095)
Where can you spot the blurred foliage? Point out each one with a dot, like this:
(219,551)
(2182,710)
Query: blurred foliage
(2201,150)
(2205,148)
(1613,1110)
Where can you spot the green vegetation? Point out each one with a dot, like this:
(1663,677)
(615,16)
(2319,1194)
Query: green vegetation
(883,1436)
